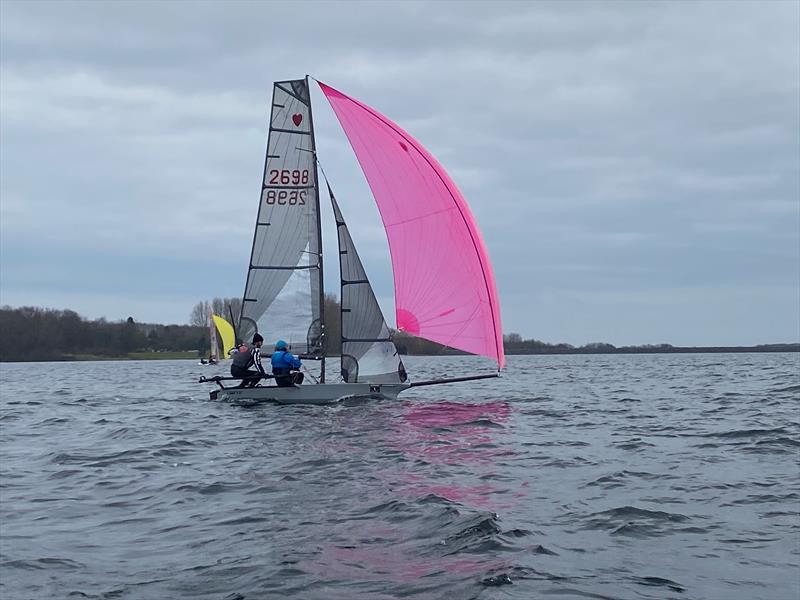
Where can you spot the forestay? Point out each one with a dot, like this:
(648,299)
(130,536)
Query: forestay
(368,353)
(282,298)
(444,285)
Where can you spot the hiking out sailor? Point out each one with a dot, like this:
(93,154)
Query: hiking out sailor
(283,363)
(246,358)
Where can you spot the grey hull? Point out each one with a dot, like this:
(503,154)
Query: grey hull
(322,393)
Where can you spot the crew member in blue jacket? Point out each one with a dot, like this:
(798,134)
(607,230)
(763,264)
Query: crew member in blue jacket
(283,362)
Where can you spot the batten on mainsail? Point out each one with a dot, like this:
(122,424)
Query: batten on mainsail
(283,292)
(444,285)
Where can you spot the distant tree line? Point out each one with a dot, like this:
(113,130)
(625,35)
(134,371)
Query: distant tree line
(33,334)
(227,308)
(514,344)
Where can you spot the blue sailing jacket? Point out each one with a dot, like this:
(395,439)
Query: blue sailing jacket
(283,362)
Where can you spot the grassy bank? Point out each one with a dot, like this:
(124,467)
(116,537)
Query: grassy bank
(191,355)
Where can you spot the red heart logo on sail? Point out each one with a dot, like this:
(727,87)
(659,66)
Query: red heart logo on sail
(298,118)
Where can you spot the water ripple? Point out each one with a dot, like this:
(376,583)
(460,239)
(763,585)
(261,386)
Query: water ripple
(604,477)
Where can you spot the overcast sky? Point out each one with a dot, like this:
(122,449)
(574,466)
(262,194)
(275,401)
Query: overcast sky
(634,167)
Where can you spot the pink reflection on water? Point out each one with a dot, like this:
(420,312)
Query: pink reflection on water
(454,451)
(458,435)
(451,433)
(391,563)
(448,414)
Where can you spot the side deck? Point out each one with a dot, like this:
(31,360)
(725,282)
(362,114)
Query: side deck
(321,393)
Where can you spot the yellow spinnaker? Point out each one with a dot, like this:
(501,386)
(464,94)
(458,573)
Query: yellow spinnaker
(226,333)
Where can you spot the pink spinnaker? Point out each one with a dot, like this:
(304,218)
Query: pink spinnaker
(443,282)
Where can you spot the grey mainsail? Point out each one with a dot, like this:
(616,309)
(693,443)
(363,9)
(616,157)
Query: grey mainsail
(368,353)
(283,292)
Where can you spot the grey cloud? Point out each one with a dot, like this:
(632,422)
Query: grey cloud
(616,155)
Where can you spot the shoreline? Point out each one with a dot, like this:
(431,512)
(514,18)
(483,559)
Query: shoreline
(773,348)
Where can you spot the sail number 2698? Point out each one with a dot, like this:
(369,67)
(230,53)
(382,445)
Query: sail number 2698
(287,177)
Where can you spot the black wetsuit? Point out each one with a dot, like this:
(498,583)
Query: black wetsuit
(242,361)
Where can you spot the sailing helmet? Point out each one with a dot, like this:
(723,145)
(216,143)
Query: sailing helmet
(257,338)
(280,345)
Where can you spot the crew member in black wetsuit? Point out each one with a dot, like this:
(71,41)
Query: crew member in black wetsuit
(246,358)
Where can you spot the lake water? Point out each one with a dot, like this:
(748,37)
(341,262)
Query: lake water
(624,477)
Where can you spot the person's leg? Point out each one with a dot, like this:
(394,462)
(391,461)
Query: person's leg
(237,372)
(254,381)
(244,373)
(297,378)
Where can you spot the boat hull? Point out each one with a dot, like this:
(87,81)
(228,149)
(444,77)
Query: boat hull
(321,393)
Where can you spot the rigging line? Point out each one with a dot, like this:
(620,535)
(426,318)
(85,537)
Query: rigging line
(420,217)
(309,373)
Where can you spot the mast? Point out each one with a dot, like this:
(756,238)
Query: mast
(212,336)
(319,239)
(236,339)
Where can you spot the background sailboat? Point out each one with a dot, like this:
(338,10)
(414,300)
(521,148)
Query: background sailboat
(213,345)
(226,332)
(444,286)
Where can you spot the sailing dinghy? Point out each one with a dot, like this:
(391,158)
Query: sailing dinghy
(212,338)
(443,281)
